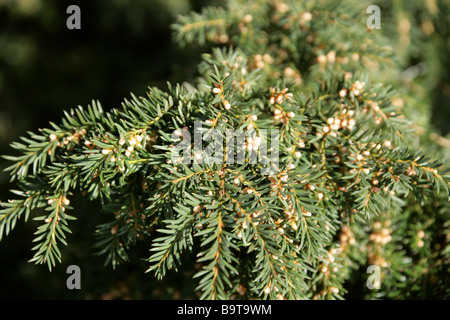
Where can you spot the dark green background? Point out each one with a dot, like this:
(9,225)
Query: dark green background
(123,46)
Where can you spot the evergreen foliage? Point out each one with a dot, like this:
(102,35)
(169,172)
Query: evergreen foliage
(351,188)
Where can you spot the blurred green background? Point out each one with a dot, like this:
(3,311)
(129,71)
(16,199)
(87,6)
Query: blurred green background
(125,46)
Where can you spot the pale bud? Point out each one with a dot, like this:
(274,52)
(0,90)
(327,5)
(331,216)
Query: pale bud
(334,290)
(272,100)
(306,16)
(226,105)
(334,127)
(267,290)
(196,209)
(279,98)
(322,59)
(331,56)
(293,225)
(197,155)
(248,18)
(132,141)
